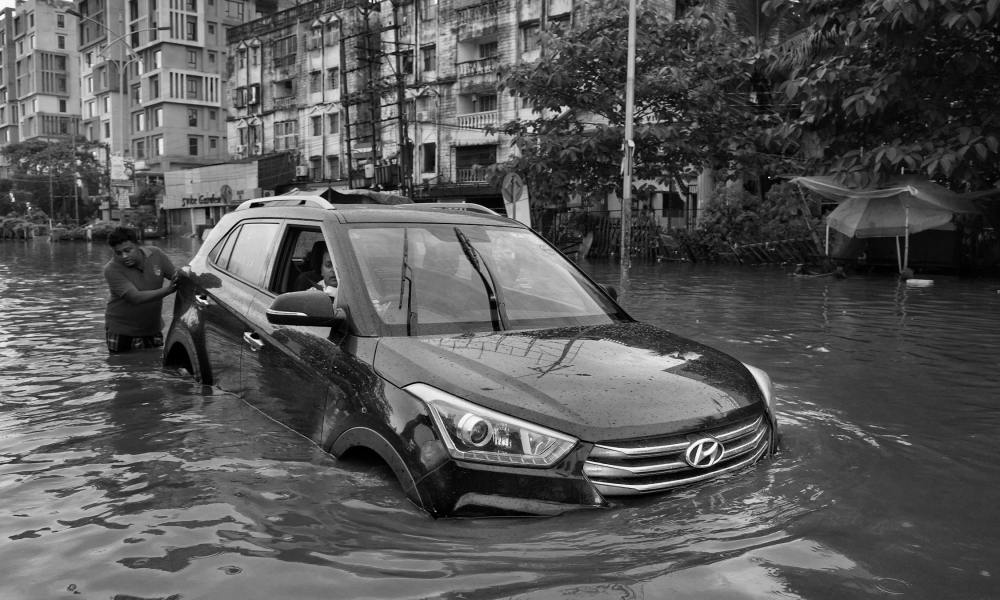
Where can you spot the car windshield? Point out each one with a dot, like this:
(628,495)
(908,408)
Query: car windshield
(433,278)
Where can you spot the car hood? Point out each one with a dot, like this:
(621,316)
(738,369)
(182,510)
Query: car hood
(596,383)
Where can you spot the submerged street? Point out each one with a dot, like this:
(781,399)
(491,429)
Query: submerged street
(120,479)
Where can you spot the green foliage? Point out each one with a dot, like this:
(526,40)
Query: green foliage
(690,108)
(48,171)
(738,217)
(892,86)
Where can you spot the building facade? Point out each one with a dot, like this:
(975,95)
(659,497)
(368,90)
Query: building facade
(40,97)
(387,95)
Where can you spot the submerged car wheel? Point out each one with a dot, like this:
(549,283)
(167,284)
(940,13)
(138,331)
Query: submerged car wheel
(178,354)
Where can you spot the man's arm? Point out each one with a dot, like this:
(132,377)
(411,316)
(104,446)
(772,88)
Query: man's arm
(121,287)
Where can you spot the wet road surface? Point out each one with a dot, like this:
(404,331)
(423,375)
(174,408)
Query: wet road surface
(121,480)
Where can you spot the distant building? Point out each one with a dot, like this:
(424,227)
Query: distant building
(420,81)
(40,97)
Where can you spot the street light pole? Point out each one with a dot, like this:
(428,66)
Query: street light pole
(629,148)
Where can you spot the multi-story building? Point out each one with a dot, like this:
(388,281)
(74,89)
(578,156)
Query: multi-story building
(152,82)
(385,94)
(42,99)
(8,96)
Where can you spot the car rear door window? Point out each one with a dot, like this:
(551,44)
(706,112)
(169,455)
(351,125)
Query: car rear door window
(249,259)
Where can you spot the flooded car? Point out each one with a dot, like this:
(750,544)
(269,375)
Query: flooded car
(481,365)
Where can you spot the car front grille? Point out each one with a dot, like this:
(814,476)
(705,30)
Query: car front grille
(653,465)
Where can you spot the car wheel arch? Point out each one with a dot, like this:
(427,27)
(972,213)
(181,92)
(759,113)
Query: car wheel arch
(369,439)
(179,351)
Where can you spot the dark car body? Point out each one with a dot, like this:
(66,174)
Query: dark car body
(481,365)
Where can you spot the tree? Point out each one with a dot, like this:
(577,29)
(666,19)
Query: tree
(49,171)
(692,105)
(896,86)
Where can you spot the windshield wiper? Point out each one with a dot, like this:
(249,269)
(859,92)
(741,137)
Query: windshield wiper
(406,280)
(492,292)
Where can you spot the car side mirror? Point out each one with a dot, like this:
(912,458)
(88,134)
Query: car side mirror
(611,291)
(311,308)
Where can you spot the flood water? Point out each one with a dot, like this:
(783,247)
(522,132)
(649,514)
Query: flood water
(121,480)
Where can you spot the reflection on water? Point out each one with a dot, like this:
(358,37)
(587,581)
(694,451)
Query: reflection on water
(120,480)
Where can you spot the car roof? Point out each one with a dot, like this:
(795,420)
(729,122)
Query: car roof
(427,212)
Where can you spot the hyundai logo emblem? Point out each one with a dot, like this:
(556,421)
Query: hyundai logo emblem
(704,453)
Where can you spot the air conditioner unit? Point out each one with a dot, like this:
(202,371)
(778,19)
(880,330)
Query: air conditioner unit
(241,148)
(302,171)
(257,149)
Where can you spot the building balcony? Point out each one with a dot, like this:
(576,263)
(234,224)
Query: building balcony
(477,21)
(480,67)
(286,102)
(479,120)
(476,174)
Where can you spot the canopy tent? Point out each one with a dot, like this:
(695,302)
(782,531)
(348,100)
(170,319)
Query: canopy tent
(907,205)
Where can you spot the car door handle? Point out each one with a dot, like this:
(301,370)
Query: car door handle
(202,300)
(253,341)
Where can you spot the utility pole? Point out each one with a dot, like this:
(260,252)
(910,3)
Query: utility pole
(629,148)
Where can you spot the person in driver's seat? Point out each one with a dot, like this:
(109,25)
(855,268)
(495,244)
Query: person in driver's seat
(320,275)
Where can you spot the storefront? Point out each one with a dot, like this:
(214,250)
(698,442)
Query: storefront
(195,199)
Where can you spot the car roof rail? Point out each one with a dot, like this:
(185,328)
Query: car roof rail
(467,206)
(272,201)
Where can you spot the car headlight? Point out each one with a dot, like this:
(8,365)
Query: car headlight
(479,434)
(764,383)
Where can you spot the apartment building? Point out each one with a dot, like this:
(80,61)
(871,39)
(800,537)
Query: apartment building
(152,79)
(8,96)
(387,95)
(40,99)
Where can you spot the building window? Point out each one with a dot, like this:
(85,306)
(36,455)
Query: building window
(193,85)
(428,9)
(213,114)
(315,82)
(192,58)
(317,126)
(62,106)
(530,37)
(333,120)
(485,103)
(333,166)
(489,49)
(140,149)
(158,117)
(429,157)
(107,104)
(194,144)
(314,166)
(61,21)
(333,78)
(406,61)
(154,86)
(191,29)
(192,117)
(107,129)
(140,122)
(190,5)
(286,135)
(213,143)
(428,55)
(61,42)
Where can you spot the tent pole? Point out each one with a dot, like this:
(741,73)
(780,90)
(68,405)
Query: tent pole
(906,252)
(899,260)
(828,240)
